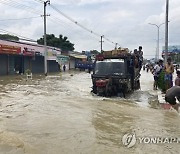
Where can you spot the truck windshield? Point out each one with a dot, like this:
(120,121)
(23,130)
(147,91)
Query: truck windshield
(110,67)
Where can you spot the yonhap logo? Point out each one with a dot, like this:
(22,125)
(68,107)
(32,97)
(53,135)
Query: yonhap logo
(129,140)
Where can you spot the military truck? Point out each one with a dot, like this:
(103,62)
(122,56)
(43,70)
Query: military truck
(116,73)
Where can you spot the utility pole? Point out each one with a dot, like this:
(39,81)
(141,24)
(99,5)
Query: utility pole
(166,30)
(157,49)
(45,42)
(158,45)
(102,43)
(116,46)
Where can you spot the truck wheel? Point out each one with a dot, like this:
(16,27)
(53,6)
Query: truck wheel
(94,90)
(137,85)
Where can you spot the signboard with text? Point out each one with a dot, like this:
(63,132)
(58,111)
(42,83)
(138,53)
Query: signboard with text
(28,52)
(51,55)
(173,48)
(7,49)
(62,59)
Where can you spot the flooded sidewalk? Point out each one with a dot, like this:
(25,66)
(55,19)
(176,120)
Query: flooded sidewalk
(58,114)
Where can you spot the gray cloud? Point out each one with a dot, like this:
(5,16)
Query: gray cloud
(124,22)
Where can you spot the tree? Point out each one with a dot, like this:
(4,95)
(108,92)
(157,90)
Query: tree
(95,52)
(62,42)
(9,37)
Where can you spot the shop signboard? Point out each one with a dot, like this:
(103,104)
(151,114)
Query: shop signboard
(173,49)
(38,53)
(62,59)
(28,52)
(51,55)
(7,49)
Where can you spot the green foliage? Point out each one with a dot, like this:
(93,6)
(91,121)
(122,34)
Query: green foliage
(9,37)
(62,42)
(28,71)
(95,52)
(161,81)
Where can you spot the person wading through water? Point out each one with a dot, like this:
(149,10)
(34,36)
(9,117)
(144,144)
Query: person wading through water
(169,69)
(177,80)
(156,71)
(64,68)
(171,96)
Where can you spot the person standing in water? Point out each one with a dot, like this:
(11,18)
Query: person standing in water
(177,80)
(64,68)
(171,96)
(156,71)
(169,69)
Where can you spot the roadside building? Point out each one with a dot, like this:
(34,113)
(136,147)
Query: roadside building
(173,52)
(63,60)
(77,60)
(74,59)
(17,57)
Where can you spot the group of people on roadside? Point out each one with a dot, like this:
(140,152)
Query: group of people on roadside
(148,67)
(172,92)
(168,69)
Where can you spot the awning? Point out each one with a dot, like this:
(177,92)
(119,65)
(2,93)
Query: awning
(78,56)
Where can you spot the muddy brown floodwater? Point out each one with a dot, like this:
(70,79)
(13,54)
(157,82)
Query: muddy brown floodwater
(59,115)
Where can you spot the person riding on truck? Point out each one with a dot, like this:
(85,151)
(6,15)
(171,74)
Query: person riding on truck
(140,52)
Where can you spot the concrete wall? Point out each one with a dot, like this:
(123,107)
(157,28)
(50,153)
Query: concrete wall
(72,63)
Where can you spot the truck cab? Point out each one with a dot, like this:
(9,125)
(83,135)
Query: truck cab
(115,75)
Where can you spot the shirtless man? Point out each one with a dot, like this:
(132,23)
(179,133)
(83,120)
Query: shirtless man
(171,96)
(169,69)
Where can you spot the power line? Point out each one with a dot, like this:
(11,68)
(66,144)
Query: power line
(20,18)
(19,6)
(72,20)
(20,36)
(39,1)
(30,9)
(24,7)
(75,22)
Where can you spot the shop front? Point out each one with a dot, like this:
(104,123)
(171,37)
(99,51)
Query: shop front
(17,58)
(33,60)
(52,63)
(10,59)
(63,60)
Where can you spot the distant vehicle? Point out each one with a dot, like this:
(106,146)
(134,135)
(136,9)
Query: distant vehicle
(83,65)
(115,74)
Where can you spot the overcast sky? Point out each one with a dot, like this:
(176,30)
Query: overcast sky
(121,21)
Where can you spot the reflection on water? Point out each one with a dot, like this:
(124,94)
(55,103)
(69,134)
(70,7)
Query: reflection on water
(58,114)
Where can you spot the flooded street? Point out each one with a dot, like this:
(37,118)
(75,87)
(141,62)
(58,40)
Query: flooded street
(58,114)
